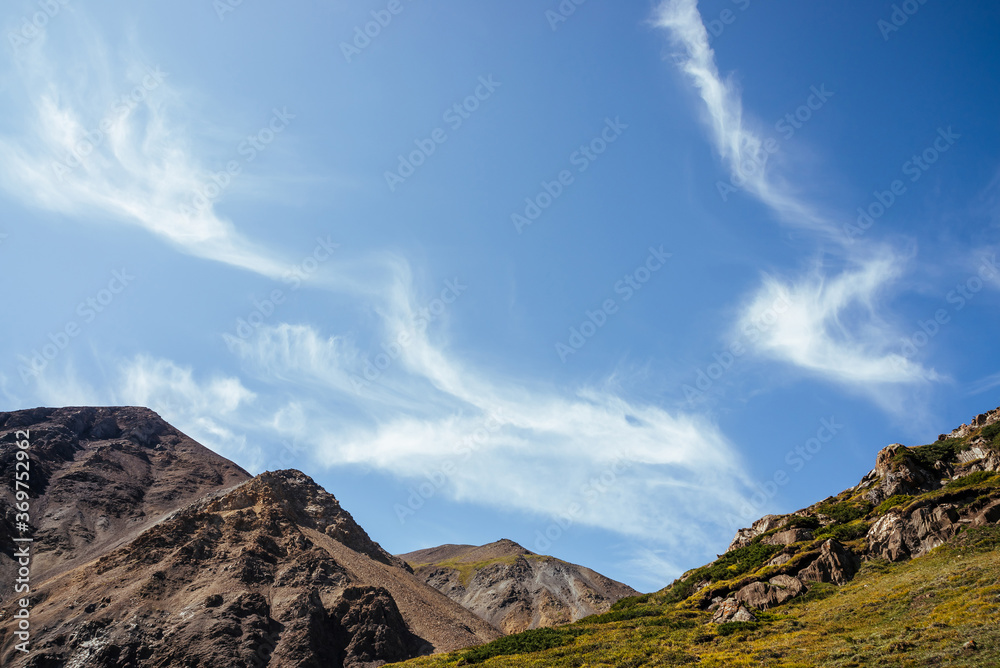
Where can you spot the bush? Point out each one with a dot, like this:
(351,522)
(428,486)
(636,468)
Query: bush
(970,480)
(535,640)
(892,502)
(631,602)
(991,433)
(844,532)
(942,451)
(843,513)
(731,565)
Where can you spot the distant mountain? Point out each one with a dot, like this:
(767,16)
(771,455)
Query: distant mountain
(515,589)
(154,551)
(900,570)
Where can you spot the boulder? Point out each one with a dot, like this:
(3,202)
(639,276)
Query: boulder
(764,595)
(835,564)
(787,537)
(732,610)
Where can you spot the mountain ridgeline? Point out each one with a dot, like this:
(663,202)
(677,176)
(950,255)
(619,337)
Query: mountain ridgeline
(151,550)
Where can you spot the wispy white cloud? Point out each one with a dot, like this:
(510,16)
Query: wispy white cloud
(675,476)
(832,326)
(98,141)
(738,143)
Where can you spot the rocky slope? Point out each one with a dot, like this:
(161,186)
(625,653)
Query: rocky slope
(914,500)
(902,569)
(154,551)
(515,589)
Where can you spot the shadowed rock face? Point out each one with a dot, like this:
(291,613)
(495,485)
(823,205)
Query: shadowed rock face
(154,551)
(515,589)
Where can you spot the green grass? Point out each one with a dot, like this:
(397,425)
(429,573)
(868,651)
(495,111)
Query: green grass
(971,480)
(893,502)
(844,533)
(928,455)
(729,566)
(894,615)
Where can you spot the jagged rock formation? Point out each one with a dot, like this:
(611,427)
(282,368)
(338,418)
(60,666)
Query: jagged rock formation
(154,551)
(914,500)
(515,589)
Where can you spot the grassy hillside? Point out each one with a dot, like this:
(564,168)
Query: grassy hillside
(940,609)
(915,613)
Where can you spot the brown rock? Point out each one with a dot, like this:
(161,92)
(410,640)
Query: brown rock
(732,610)
(763,525)
(787,537)
(764,595)
(835,564)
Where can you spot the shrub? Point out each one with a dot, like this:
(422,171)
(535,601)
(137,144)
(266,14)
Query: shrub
(928,455)
(535,640)
(844,532)
(843,513)
(631,602)
(731,565)
(970,480)
(892,502)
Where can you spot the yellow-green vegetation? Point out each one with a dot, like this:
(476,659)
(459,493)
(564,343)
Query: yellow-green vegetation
(913,613)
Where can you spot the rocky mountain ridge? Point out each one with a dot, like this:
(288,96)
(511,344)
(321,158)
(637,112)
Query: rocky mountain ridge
(513,588)
(154,551)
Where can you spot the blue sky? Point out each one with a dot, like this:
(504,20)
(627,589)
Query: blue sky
(591,280)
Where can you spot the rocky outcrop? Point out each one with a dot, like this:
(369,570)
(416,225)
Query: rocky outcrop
(897,474)
(787,537)
(515,589)
(764,595)
(836,564)
(745,536)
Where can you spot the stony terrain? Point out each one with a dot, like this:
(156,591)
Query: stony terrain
(515,589)
(154,551)
(902,569)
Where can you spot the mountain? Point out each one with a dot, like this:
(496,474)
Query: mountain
(903,569)
(515,589)
(151,550)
